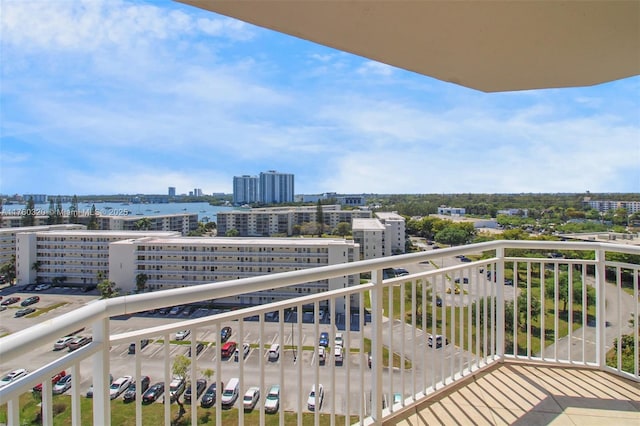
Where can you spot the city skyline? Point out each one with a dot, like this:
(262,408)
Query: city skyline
(133,97)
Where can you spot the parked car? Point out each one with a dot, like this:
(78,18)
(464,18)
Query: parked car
(89,393)
(251,398)
(339,339)
(209,397)
(230,393)
(10,301)
(176,310)
(439,340)
(153,393)
(245,351)
(130,393)
(79,342)
(315,398)
(132,346)
(274,352)
(401,272)
(338,354)
(199,348)
(62,385)
(225,333)
(272,402)
(42,287)
(322,355)
(118,386)
(12,376)
(62,342)
(54,380)
(24,311)
(176,387)
(182,334)
(324,339)
(30,300)
(228,349)
(201,384)
(465,259)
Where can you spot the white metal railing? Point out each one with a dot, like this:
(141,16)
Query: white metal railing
(480,320)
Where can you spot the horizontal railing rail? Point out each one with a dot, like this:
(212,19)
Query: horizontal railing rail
(404,337)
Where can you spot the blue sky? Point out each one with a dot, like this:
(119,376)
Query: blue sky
(104,97)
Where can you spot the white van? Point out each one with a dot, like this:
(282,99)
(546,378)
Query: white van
(230,393)
(337,354)
(274,352)
(322,355)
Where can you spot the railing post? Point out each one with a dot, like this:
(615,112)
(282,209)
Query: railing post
(376,345)
(601,353)
(499,286)
(101,367)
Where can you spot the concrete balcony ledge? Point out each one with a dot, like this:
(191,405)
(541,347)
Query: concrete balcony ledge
(515,393)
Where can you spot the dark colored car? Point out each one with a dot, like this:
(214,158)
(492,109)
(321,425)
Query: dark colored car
(153,393)
(132,346)
(24,311)
(225,333)
(30,300)
(324,339)
(10,301)
(209,397)
(201,384)
(130,393)
(199,348)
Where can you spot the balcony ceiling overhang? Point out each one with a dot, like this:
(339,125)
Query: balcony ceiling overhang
(488,45)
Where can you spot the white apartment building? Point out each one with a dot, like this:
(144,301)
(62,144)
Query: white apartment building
(395,231)
(606,205)
(181,222)
(188,261)
(77,255)
(8,237)
(451,211)
(369,234)
(265,222)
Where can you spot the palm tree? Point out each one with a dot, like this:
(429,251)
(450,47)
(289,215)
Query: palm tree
(143,224)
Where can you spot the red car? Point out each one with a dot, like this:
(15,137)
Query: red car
(54,379)
(10,301)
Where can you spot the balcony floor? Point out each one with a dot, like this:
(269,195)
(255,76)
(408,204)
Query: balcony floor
(524,394)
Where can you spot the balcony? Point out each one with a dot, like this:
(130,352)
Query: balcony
(451,340)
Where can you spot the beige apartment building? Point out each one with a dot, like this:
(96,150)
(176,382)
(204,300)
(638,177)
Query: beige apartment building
(188,261)
(76,255)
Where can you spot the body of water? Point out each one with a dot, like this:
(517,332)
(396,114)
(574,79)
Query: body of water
(205,211)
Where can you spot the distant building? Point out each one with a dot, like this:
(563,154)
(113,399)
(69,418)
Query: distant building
(246,189)
(266,222)
(395,231)
(197,192)
(370,235)
(343,200)
(605,205)
(276,188)
(514,212)
(172,191)
(451,211)
(37,198)
(76,255)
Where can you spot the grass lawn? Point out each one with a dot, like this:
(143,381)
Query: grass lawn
(124,414)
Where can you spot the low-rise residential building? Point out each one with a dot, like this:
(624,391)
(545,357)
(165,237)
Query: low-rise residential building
(395,231)
(265,222)
(74,256)
(8,237)
(606,205)
(370,235)
(187,261)
(451,211)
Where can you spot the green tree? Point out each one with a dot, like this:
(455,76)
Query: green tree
(143,224)
(59,216)
(233,232)
(141,282)
(180,369)
(8,269)
(93,218)
(106,288)
(73,210)
(451,236)
(320,218)
(29,215)
(51,218)
(343,229)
